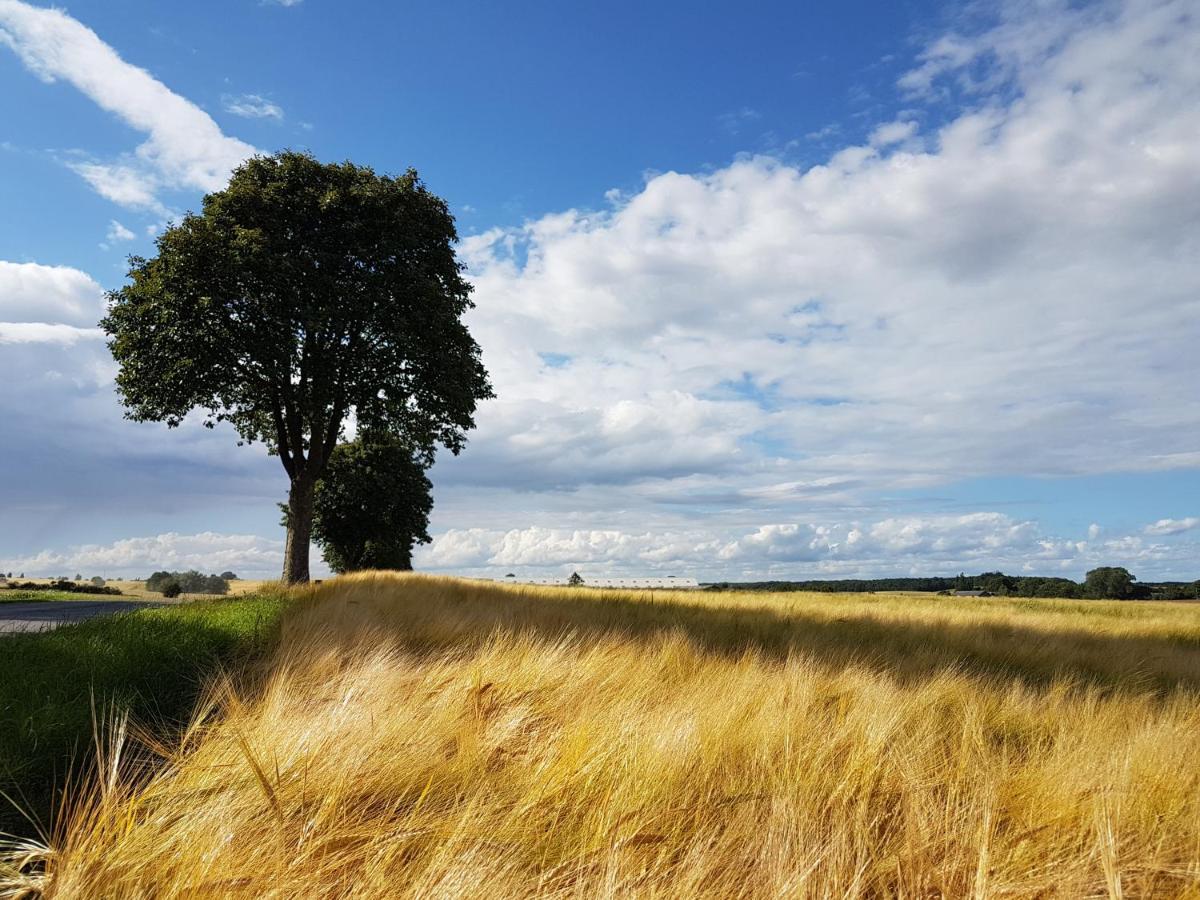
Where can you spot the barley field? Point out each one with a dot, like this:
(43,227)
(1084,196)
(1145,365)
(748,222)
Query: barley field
(422,737)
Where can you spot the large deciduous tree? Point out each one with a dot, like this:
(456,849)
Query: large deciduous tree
(371,505)
(1110,583)
(303,294)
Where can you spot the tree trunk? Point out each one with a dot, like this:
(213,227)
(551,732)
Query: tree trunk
(299,535)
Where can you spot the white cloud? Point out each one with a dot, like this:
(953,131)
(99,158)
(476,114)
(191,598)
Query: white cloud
(893,133)
(252,106)
(185,149)
(246,554)
(33,293)
(921,545)
(1173,526)
(118,232)
(285,2)
(45,333)
(1015,297)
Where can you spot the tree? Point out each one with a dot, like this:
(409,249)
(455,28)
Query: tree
(371,505)
(97,581)
(574,580)
(171,588)
(1109,582)
(302,294)
(229,576)
(157,580)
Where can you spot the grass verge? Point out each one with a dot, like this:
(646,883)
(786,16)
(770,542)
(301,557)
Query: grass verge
(151,662)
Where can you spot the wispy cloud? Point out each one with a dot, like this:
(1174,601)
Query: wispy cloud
(252,106)
(184,148)
(734,121)
(1173,526)
(118,232)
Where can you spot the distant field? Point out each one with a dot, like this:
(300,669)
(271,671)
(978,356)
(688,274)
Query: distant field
(422,737)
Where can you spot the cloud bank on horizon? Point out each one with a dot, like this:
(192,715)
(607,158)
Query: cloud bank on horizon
(736,372)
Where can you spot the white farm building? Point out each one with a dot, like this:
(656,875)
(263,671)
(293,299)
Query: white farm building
(626,584)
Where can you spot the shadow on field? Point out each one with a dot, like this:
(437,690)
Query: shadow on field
(905,648)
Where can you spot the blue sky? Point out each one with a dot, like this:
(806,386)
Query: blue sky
(766,290)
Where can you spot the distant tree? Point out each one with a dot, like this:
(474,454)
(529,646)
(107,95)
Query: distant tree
(371,505)
(1109,583)
(510,575)
(301,295)
(190,582)
(157,580)
(215,584)
(171,588)
(78,577)
(574,580)
(229,576)
(98,581)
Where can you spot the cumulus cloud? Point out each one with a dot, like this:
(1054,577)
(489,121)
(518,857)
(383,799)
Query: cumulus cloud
(1173,526)
(897,545)
(33,293)
(252,106)
(246,554)
(1014,295)
(184,148)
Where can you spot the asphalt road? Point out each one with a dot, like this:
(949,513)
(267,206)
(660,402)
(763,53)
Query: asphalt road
(42,615)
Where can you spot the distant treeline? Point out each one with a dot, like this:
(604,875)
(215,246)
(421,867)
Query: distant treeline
(70,587)
(1103,583)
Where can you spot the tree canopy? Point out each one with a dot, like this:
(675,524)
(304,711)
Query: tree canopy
(1112,583)
(302,294)
(371,505)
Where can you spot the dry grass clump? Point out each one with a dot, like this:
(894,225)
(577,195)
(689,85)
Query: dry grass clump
(421,737)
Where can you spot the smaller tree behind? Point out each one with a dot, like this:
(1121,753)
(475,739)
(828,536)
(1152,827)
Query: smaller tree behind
(371,505)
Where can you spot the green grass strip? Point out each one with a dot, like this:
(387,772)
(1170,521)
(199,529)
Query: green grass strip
(151,662)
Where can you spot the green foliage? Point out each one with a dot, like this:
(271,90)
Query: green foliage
(574,580)
(152,662)
(371,504)
(1177,590)
(303,293)
(189,582)
(1113,583)
(171,588)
